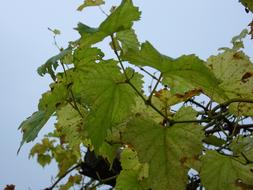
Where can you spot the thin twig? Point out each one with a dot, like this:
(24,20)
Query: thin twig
(153,91)
(148,73)
(198,104)
(64,175)
(234,100)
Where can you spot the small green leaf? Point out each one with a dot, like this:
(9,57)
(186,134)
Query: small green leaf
(32,125)
(50,66)
(222,172)
(44,159)
(132,171)
(88,3)
(55,31)
(237,40)
(128,40)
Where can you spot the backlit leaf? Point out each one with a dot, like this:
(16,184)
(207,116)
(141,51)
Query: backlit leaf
(235,73)
(70,125)
(120,19)
(50,66)
(131,170)
(169,159)
(32,125)
(110,97)
(222,172)
(183,74)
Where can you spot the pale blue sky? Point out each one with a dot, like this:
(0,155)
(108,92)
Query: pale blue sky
(173,27)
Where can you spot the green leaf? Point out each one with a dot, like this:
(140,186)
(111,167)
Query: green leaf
(49,102)
(129,178)
(120,19)
(213,140)
(111,99)
(55,31)
(70,125)
(32,125)
(222,172)
(52,64)
(235,73)
(183,74)
(88,3)
(55,97)
(169,151)
(237,40)
(44,159)
(128,40)
(147,56)
(243,146)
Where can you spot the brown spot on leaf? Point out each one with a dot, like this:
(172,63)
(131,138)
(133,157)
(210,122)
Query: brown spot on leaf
(246,76)
(189,94)
(183,160)
(237,55)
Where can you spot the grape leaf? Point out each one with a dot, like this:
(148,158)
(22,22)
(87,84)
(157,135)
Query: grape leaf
(66,157)
(168,157)
(235,73)
(88,3)
(52,63)
(237,41)
(120,19)
(111,99)
(42,150)
(70,125)
(222,172)
(132,171)
(47,106)
(183,74)
(128,40)
(243,146)
(32,125)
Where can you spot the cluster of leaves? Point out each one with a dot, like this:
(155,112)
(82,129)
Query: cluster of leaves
(159,137)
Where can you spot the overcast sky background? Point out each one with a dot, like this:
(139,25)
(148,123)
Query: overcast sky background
(173,27)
